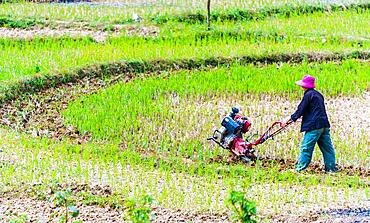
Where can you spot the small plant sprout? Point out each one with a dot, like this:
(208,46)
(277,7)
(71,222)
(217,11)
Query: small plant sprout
(139,210)
(243,210)
(23,218)
(64,201)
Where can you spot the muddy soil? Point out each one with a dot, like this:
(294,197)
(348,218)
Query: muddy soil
(332,215)
(323,218)
(99,34)
(348,212)
(38,209)
(287,164)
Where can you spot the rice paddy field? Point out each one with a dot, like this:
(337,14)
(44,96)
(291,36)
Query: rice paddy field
(105,104)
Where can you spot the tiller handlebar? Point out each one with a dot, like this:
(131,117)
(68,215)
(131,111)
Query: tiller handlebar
(268,134)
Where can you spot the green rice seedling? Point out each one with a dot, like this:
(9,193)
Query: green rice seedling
(101,114)
(323,26)
(22,58)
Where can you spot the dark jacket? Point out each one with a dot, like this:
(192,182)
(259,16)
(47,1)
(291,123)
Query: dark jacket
(313,112)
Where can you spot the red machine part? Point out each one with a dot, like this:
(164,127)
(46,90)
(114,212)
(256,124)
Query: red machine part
(241,147)
(245,122)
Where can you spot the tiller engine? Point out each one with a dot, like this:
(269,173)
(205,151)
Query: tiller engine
(230,135)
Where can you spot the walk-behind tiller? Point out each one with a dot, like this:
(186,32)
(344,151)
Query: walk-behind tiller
(230,135)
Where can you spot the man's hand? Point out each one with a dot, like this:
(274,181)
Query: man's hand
(286,121)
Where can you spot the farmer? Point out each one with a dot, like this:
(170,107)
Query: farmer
(315,124)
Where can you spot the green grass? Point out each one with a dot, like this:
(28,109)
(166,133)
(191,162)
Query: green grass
(175,113)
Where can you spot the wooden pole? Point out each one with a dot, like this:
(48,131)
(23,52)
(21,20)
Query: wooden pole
(209,14)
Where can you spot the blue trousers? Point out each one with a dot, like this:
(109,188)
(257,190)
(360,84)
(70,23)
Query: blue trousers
(322,138)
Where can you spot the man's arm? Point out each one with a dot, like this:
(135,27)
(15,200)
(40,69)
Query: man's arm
(301,108)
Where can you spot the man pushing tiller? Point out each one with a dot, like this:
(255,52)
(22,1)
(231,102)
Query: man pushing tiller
(315,124)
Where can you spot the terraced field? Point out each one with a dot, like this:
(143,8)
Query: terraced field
(115,101)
